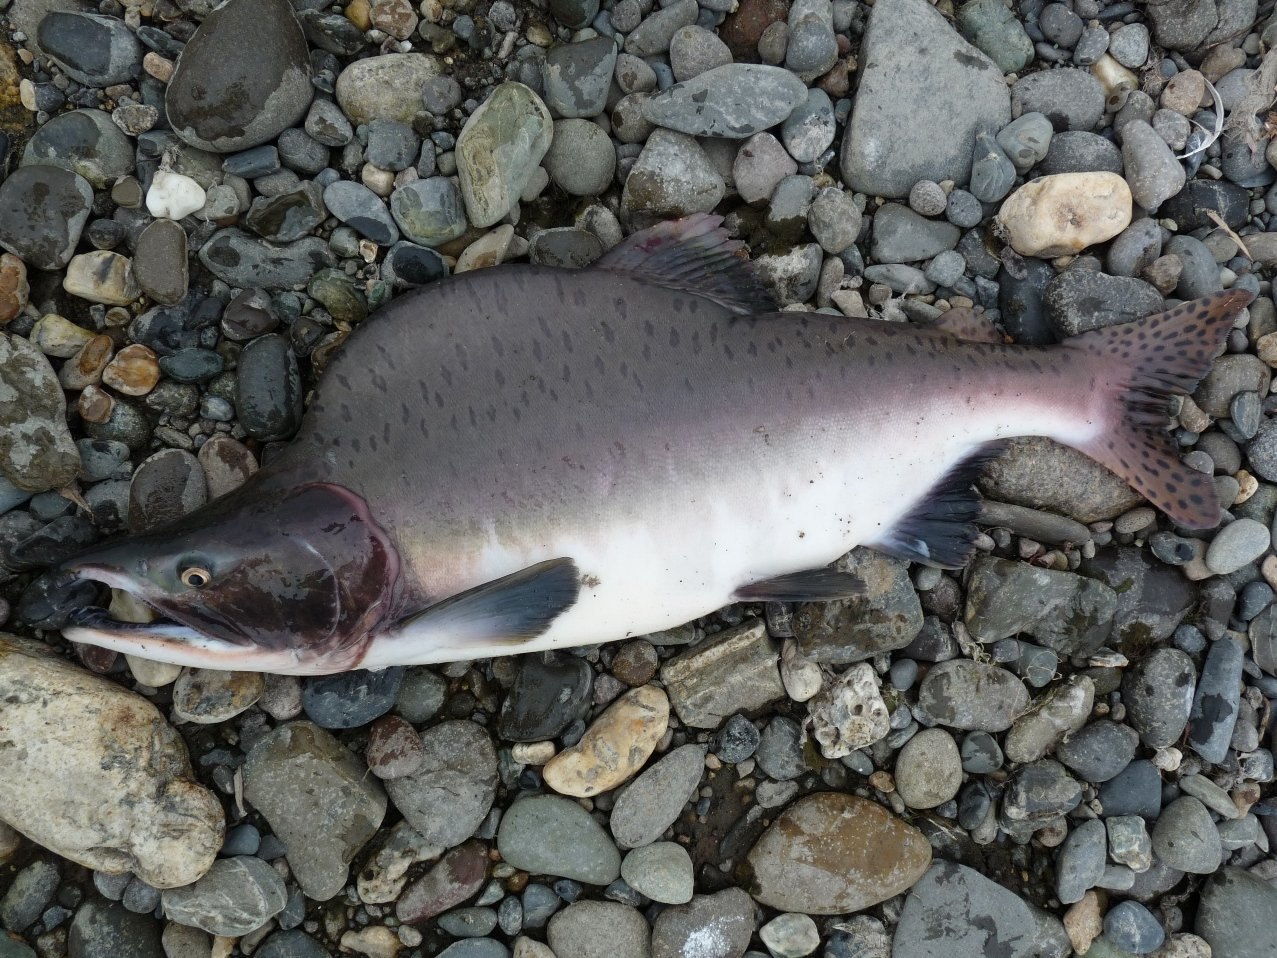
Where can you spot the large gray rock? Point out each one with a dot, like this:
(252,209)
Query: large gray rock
(887,616)
(1236,915)
(450,792)
(36,449)
(1068,613)
(734,101)
(238,895)
(319,800)
(43,209)
(915,117)
(735,670)
(242,79)
(955,912)
(499,148)
(94,773)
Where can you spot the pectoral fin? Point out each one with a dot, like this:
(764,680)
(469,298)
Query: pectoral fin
(813,585)
(510,610)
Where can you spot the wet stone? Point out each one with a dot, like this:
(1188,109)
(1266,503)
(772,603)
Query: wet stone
(42,211)
(268,395)
(460,873)
(547,697)
(350,699)
(979,916)
(928,769)
(407,265)
(107,930)
(1216,701)
(83,141)
(1080,865)
(159,263)
(1136,790)
(429,211)
(498,149)
(362,210)
(657,30)
(208,696)
(565,247)
(450,792)
(614,747)
(831,853)
(1039,792)
(576,77)
(996,31)
(95,50)
(1234,915)
(287,216)
(227,53)
(239,259)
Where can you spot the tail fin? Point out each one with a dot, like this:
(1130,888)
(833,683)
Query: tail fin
(1148,361)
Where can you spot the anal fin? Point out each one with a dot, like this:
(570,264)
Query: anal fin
(513,609)
(813,585)
(940,530)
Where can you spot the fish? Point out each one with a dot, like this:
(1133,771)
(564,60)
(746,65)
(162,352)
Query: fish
(526,458)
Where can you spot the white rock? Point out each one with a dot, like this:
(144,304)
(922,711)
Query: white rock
(850,713)
(802,677)
(532,753)
(790,935)
(173,195)
(95,774)
(1065,213)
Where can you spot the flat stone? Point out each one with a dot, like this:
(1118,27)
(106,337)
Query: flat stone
(242,79)
(1064,213)
(928,769)
(42,212)
(86,142)
(735,101)
(922,112)
(242,260)
(549,835)
(238,895)
(1080,865)
(318,799)
(456,878)
(1079,487)
(1216,701)
(451,791)
(161,825)
(159,264)
(500,146)
(429,211)
(654,800)
(1098,751)
(831,852)
(662,871)
(1185,837)
(971,695)
(735,670)
(208,696)
(599,929)
(978,917)
(902,236)
(94,50)
(547,696)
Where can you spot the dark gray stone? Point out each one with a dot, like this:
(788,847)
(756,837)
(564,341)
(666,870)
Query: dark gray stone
(1216,702)
(42,212)
(91,49)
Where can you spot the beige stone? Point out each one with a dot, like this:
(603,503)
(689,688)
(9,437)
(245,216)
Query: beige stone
(101,277)
(735,671)
(1065,213)
(831,853)
(615,747)
(1083,922)
(95,774)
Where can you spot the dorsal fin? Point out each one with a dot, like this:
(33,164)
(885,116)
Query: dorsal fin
(694,255)
(940,530)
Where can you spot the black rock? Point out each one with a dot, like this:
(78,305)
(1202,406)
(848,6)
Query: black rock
(268,395)
(1136,790)
(1188,208)
(351,699)
(545,699)
(94,50)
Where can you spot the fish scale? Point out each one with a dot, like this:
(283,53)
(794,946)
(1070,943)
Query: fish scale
(523,458)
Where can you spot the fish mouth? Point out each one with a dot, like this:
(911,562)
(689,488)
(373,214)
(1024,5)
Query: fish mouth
(66,600)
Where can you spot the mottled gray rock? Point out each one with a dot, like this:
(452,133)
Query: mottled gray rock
(1071,98)
(1065,612)
(709,926)
(385,87)
(1080,865)
(971,695)
(735,670)
(995,29)
(1235,915)
(91,49)
(36,449)
(1042,474)
(672,177)
(239,259)
(734,101)
(1152,171)
(238,895)
(42,212)
(318,799)
(1216,701)
(500,146)
(923,112)
(599,929)
(576,77)
(85,142)
(978,918)
(902,236)
(1186,838)
(888,616)
(449,794)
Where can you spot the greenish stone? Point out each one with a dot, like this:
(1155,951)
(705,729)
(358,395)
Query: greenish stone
(337,293)
(500,146)
(992,26)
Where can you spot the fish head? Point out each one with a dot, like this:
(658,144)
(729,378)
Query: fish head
(295,581)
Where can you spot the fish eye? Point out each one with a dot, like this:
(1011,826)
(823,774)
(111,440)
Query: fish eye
(196,577)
